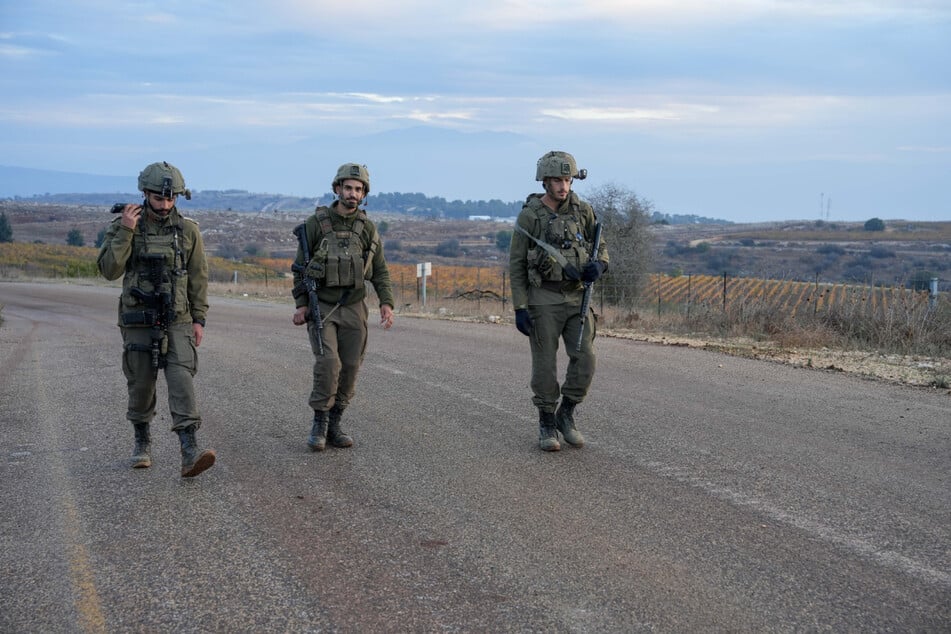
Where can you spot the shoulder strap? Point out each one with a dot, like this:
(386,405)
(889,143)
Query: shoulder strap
(323,221)
(359,223)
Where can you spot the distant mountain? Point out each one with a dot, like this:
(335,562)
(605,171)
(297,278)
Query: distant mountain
(26,182)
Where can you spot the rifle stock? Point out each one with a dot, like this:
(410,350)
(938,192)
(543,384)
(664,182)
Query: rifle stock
(589,286)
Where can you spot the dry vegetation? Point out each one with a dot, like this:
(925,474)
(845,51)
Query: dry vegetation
(885,333)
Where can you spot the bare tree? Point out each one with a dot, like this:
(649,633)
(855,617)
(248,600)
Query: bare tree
(625,218)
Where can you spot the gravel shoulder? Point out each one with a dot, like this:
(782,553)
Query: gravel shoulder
(911,370)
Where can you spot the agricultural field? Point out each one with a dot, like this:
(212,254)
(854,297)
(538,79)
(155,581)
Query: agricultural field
(888,333)
(827,252)
(806,251)
(783,296)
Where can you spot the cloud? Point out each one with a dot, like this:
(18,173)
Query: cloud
(925,149)
(609,114)
(376,98)
(430,117)
(161,19)
(19,52)
(418,16)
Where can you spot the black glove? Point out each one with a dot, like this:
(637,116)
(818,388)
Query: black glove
(592,271)
(523,321)
(569,272)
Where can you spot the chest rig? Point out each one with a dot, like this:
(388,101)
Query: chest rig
(154,287)
(155,274)
(564,242)
(340,260)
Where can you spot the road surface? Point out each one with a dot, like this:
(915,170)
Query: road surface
(715,493)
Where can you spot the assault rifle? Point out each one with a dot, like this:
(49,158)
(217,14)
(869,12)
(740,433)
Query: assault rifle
(589,286)
(309,285)
(159,310)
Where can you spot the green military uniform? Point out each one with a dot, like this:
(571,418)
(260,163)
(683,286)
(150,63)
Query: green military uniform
(178,240)
(346,251)
(554,302)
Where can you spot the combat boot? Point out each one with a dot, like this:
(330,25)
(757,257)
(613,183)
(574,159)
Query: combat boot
(318,432)
(565,420)
(142,454)
(336,436)
(547,434)
(193,462)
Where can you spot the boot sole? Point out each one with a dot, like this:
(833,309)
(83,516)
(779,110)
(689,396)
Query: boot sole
(205,461)
(142,464)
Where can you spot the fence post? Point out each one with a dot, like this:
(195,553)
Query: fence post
(479,288)
(689,291)
(503,289)
(724,291)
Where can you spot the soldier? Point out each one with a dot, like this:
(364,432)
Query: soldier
(549,261)
(161,309)
(343,250)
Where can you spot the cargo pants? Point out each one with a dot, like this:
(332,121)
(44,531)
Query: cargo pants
(141,377)
(345,343)
(551,322)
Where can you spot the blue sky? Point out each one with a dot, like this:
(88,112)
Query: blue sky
(747,110)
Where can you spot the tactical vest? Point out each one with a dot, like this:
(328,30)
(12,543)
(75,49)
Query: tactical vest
(340,261)
(564,232)
(156,273)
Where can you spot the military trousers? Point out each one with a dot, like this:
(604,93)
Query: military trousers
(550,323)
(345,342)
(180,369)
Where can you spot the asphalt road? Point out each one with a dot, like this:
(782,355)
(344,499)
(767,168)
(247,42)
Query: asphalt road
(715,493)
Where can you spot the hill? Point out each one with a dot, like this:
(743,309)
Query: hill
(802,251)
(410,204)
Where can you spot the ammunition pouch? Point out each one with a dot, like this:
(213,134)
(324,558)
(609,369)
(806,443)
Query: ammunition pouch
(139,318)
(335,264)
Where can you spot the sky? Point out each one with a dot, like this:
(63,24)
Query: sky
(743,110)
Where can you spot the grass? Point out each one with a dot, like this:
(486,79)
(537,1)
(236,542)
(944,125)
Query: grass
(898,327)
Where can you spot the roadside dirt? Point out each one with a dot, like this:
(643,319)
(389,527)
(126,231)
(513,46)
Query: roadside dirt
(910,370)
(916,371)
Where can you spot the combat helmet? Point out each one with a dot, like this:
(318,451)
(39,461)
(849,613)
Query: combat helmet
(163,179)
(353,171)
(558,164)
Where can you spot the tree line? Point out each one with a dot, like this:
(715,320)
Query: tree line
(411,204)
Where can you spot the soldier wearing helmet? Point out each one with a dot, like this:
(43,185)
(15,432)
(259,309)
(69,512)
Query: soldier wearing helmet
(161,257)
(344,251)
(549,262)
